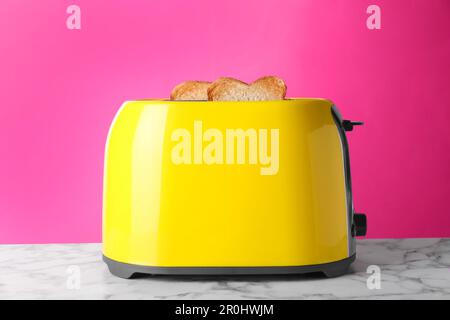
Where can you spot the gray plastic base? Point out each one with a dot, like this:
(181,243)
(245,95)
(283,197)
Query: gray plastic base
(126,270)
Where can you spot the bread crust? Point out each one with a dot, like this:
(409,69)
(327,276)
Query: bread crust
(190,90)
(264,88)
(230,89)
(222,86)
(274,85)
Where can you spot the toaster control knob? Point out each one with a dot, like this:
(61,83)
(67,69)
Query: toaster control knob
(348,124)
(360,223)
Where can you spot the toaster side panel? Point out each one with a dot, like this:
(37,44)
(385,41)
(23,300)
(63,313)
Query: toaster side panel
(132,183)
(348,180)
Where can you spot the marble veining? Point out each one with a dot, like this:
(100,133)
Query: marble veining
(410,269)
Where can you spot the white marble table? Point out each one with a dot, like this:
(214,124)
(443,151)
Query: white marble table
(410,269)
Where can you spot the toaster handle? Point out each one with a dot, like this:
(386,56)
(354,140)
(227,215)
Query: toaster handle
(348,124)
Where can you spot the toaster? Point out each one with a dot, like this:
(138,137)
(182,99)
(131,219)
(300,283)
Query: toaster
(228,188)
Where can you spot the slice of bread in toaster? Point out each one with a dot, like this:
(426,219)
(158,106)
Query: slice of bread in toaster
(229,89)
(190,90)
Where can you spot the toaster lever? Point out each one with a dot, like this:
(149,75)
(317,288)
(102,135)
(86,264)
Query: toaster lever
(348,124)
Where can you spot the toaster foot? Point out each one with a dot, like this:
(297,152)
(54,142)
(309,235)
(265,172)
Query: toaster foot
(336,271)
(119,271)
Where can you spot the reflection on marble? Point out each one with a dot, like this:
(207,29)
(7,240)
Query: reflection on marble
(410,269)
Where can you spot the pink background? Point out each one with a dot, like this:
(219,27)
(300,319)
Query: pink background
(60,89)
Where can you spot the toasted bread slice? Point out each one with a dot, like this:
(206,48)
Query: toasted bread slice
(229,89)
(190,90)
(225,86)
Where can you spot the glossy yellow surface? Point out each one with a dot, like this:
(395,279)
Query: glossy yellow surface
(158,213)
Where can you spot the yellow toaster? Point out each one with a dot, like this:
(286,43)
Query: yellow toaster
(220,188)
